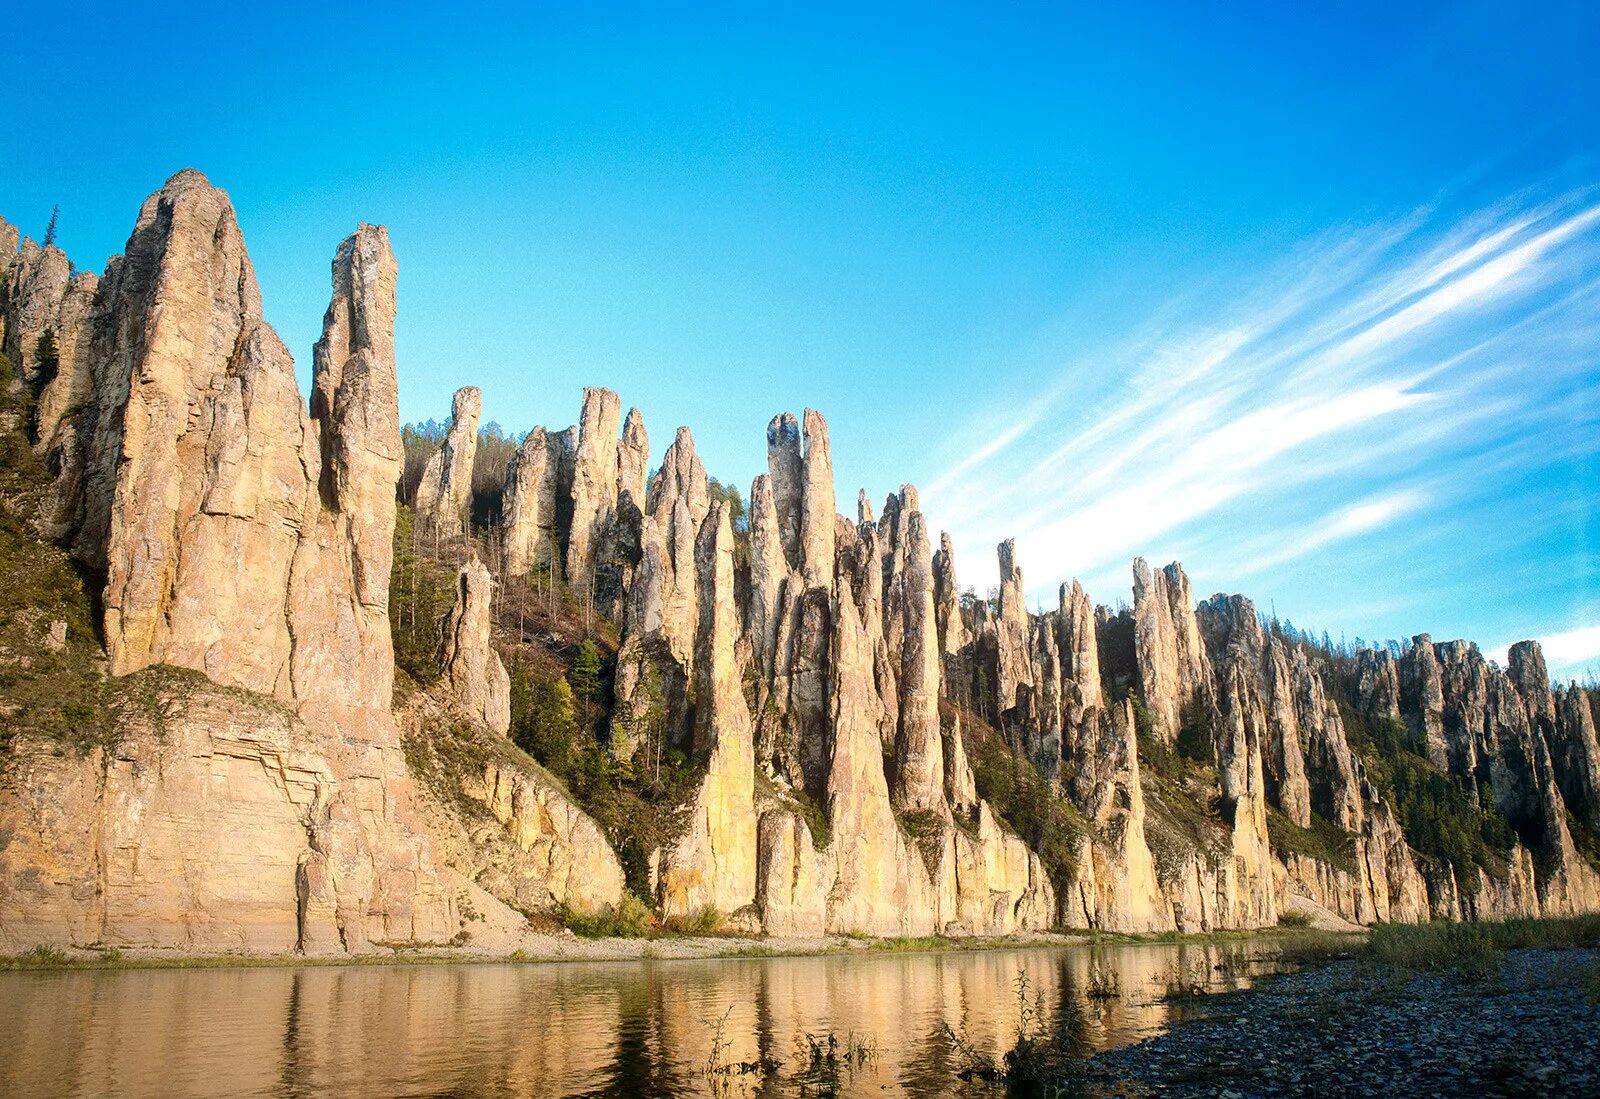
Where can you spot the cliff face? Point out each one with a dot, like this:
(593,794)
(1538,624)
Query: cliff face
(245,536)
(866,738)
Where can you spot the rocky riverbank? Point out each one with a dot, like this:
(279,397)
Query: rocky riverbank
(1525,1022)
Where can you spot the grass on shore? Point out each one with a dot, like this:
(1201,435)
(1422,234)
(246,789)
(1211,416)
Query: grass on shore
(1440,944)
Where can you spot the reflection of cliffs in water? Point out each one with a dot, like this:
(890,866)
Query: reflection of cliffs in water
(565,1029)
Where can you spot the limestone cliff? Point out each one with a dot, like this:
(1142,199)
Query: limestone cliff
(862,747)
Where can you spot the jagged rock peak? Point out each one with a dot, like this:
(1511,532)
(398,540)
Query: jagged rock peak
(194,494)
(594,482)
(863,508)
(818,514)
(445,493)
(633,458)
(1173,668)
(477,679)
(785,467)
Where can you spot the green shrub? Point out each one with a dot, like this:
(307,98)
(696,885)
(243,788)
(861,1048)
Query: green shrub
(1025,803)
(629,918)
(1471,945)
(1293,920)
(1324,840)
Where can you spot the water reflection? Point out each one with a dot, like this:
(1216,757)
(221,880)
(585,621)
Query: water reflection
(625,1029)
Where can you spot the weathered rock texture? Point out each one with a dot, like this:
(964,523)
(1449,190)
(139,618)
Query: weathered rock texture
(247,537)
(444,495)
(841,701)
(473,672)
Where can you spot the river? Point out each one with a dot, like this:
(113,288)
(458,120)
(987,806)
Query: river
(646,1029)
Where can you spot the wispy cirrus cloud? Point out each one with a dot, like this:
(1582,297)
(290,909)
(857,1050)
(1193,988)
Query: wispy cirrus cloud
(1361,386)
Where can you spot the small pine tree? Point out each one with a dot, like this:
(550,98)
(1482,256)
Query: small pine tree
(586,675)
(50,230)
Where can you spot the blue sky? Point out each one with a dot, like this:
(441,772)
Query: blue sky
(1308,300)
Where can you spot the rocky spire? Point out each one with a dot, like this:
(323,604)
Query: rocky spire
(785,468)
(445,495)
(947,602)
(633,458)
(1422,698)
(1173,668)
(919,751)
(205,482)
(355,400)
(863,508)
(594,483)
(817,517)
(1079,648)
(534,487)
(473,671)
(1576,755)
(1378,684)
(35,289)
(66,405)
(1014,681)
(714,863)
(768,572)
(343,648)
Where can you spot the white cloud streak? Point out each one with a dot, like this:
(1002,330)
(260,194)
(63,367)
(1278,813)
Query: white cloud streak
(1362,353)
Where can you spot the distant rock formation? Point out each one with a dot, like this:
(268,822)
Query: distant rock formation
(445,492)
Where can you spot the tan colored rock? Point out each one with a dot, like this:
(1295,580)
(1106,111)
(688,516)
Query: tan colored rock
(1422,697)
(444,497)
(1173,670)
(219,822)
(534,484)
(594,482)
(1079,649)
(35,289)
(919,750)
(947,600)
(714,863)
(633,458)
(786,470)
(476,676)
(817,506)
(65,407)
(1014,682)
(769,573)
(355,407)
(881,886)
(209,497)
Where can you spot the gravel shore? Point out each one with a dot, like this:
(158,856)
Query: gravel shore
(1526,1023)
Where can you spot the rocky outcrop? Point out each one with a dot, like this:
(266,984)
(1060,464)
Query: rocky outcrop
(473,672)
(838,696)
(444,496)
(537,480)
(1173,670)
(662,615)
(714,863)
(594,482)
(220,821)
(245,536)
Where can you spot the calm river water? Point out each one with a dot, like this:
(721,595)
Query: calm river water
(624,1029)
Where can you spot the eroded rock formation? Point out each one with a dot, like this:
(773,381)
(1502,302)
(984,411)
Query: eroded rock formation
(445,492)
(840,702)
